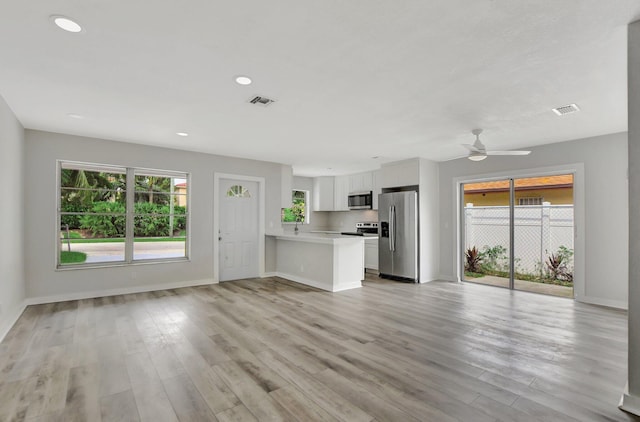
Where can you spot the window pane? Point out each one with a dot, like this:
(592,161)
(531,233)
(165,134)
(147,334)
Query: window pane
(160,221)
(238,191)
(81,189)
(153,189)
(76,249)
(168,241)
(298,212)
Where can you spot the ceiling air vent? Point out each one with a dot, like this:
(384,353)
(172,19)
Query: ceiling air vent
(262,101)
(561,111)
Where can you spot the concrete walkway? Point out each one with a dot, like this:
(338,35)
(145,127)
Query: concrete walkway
(114,251)
(527,286)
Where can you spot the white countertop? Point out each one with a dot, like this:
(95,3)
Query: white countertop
(318,237)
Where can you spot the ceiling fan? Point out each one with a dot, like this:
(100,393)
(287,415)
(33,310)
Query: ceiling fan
(478,152)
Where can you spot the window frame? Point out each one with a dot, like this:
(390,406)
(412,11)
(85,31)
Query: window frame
(307,219)
(130,175)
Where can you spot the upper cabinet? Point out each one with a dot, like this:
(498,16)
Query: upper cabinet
(376,188)
(341,193)
(331,193)
(361,182)
(402,173)
(323,196)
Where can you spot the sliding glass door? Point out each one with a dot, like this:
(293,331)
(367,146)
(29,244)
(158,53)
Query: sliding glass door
(518,233)
(486,232)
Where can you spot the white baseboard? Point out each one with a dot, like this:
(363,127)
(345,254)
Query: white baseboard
(317,285)
(618,304)
(115,292)
(630,403)
(270,274)
(448,278)
(11,318)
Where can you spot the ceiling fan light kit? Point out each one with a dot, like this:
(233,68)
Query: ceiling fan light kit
(476,156)
(478,152)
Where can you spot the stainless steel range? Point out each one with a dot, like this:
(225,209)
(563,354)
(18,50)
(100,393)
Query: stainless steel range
(365,228)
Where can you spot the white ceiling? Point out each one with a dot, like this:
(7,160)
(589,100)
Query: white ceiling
(352,79)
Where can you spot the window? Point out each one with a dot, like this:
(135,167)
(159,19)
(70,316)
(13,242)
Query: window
(238,191)
(110,214)
(299,211)
(530,201)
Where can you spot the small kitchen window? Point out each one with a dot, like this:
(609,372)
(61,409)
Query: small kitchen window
(299,212)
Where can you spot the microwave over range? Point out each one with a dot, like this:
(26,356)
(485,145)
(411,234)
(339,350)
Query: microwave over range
(361,200)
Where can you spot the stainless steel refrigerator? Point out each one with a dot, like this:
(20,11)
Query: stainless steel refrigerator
(398,235)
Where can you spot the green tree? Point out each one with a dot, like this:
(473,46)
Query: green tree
(148,186)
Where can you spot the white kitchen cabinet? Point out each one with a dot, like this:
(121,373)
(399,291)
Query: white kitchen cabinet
(361,182)
(375,187)
(402,173)
(341,193)
(371,254)
(323,193)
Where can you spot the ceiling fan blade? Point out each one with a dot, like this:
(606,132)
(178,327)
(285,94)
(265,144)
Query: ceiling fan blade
(508,152)
(471,148)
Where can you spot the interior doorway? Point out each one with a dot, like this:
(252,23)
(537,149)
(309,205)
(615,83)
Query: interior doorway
(518,233)
(238,229)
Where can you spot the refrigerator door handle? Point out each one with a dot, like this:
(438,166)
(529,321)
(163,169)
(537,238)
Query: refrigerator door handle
(392,228)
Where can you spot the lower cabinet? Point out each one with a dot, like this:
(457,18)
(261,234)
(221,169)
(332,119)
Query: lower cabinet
(371,254)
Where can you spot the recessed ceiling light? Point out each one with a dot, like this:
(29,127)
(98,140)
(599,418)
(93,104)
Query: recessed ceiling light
(182,134)
(67,24)
(243,80)
(75,116)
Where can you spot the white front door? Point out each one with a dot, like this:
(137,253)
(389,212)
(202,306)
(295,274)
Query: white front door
(238,234)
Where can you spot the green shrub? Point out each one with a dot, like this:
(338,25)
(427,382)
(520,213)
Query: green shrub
(147,221)
(105,225)
(72,220)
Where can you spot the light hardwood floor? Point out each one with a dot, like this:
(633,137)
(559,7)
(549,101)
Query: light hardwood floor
(273,350)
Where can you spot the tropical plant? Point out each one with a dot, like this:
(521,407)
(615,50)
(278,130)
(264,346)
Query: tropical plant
(494,258)
(80,187)
(147,188)
(558,265)
(472,260)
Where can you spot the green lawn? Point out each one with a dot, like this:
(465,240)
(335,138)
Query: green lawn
(67,257)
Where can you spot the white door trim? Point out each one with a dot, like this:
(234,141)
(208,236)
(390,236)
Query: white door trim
(216,220)
(577,169)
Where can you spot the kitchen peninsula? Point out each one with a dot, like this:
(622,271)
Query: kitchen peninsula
(326,261)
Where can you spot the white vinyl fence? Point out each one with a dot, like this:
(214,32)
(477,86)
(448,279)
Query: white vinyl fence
(540,230)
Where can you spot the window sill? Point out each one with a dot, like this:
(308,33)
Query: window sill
(115,264)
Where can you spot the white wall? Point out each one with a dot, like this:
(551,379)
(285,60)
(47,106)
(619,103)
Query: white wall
(42,151)
(605,208)
(429,220)
(12,289)
(631,398)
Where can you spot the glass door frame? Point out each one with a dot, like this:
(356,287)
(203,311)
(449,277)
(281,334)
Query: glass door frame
(462,223)
(576,169)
